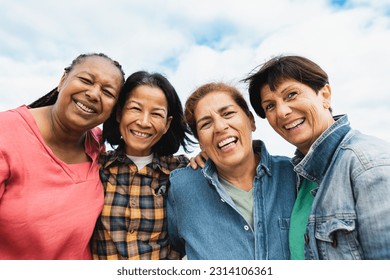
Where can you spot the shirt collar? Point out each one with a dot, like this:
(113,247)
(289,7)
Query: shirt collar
(118,156)
(314,164)
(92,144)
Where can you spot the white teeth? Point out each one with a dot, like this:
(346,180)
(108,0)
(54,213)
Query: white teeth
(226,141)
(140,134)
(84,108)
(294,124)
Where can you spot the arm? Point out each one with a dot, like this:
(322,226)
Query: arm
(372,192)
(176,242)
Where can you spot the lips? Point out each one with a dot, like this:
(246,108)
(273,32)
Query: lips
(294,124)
(226,142)
(140,134)
(85,108)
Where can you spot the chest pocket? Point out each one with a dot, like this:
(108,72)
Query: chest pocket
(337,239)
(147,209)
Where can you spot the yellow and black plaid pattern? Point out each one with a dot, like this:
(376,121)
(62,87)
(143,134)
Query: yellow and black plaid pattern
(133,221)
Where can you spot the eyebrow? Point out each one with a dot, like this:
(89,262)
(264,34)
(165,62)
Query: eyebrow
(106,85)
(282,91)
(220,110)
(140,104)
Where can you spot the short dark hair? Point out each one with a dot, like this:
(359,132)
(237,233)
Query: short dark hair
(202,91)
(280,68)
(177,133)
(51,97)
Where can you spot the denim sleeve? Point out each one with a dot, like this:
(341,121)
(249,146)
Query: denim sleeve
(176,242)
(372,194)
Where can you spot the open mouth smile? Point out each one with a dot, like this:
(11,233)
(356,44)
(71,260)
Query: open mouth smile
(140,134)
(227,142)
(294,124)
(84,107)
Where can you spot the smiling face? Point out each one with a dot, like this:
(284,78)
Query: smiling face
(297,112)
(88,93)
(143,119)
(224,130)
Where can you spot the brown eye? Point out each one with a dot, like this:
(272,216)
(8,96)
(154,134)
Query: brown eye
(108,93)
(204,125)
(229,114)
(85,80)
(268,107)
(292,95)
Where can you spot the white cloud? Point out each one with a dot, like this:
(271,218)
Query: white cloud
(194,42)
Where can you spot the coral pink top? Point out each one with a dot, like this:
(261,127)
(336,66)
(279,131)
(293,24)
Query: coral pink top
(48,208)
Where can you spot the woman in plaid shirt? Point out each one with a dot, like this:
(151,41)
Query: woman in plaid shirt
(147,128)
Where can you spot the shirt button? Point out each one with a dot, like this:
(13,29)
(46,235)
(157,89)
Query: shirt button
(246,227)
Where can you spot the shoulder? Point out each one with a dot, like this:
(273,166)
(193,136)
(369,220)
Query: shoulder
(106,156)
(268,159)
(16,126)
(186,183)
(278,159)
(186,175)
(173,162)
(366,148)
(13,114)
(355,138)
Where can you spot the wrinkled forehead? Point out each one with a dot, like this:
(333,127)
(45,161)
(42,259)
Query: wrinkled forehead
(214,100)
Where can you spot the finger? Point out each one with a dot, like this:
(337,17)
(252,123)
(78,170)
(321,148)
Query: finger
(193,163)
(200,160)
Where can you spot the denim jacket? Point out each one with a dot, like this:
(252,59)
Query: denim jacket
(204,222)
(350,216)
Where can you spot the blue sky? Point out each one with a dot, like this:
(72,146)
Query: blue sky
(194,42)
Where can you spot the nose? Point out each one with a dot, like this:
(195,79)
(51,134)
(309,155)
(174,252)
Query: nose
(93,93)
(144,120)
(220,124)
(283,110)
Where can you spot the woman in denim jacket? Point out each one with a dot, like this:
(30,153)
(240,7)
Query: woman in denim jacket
(343,206)
(238,206)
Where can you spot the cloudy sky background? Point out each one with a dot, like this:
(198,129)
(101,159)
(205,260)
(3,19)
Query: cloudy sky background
(194,42)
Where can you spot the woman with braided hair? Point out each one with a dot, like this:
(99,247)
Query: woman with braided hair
(50,191)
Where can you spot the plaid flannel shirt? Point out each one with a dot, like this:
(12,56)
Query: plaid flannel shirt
(133,222)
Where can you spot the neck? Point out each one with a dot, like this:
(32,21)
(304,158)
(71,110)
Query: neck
(241,176)
(66,144)
(60,135)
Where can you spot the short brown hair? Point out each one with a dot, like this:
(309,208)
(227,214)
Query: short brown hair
(280,68)
(202,91)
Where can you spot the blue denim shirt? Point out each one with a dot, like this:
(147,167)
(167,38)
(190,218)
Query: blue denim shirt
(350,216)
(204,222)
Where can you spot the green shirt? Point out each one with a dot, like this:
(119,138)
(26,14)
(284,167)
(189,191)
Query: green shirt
(242,199)
(299,218)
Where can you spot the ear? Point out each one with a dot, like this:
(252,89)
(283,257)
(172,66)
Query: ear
(326,92)
(63,78)
(168,124)
(252,120)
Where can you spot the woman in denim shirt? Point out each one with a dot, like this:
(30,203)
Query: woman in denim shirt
(238,206)
(343,206)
